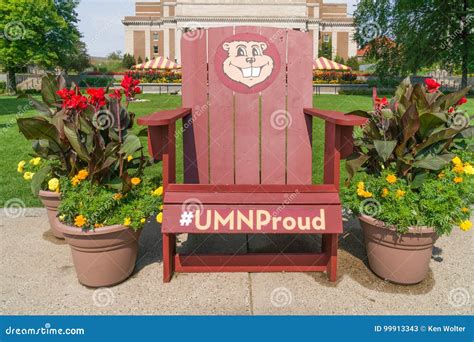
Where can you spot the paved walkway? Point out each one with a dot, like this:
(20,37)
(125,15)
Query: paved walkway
(37,277)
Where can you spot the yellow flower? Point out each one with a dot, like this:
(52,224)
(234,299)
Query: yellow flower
(81,175)
(158,191)
(468,169)
(384,192)
(127,221)
(21,166)
(129,158)
(79,221)
(391,178)
(465,225)
(465,210)
(62,217)
(136,180)
(160,207)
(75,180)
(456,161)
(458,168)
(28,175)
(400,193)
(159,218)
(441,175)
(98,225)
(35,161)
(457,179)
(361,190)
(118,196)
(53,184)
(142,221)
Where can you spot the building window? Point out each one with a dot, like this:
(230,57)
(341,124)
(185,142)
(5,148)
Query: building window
(326,38)
(155,49)
(155,35)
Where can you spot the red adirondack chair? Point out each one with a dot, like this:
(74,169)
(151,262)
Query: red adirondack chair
(247,135)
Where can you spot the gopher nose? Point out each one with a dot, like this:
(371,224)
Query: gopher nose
(250,59)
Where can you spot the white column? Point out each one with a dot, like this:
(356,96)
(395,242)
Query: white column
(177,44)
(128,40)
(334,44)
(147,42)
(316,42)
(352,51)
(166,42)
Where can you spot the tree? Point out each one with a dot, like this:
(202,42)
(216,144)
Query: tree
(77,59)
(116,55)
(325,50)
(353,63)
(424,33)
(139,60)
(40,32)
(339,59)
(128,61)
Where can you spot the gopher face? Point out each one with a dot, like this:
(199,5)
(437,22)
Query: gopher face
(247,62)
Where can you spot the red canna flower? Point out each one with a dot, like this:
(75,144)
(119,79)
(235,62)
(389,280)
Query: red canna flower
(117,94)
(381,103)
(461,101)
(431,85)
(130,87)
(77,102)
(96,97)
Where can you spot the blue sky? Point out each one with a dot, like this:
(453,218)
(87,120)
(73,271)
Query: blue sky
(100,23)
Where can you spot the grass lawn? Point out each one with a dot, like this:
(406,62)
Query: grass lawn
(13,147)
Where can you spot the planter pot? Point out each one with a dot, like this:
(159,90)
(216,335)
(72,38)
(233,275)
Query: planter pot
(51,202)
(399,258)
(104,257)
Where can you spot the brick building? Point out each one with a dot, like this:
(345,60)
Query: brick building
(157,26)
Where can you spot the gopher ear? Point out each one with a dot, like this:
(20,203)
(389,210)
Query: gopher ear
(263,46)
(226,46)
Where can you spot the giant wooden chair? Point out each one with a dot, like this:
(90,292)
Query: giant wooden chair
(247,136)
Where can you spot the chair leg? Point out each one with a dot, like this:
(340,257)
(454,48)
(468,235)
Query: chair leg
(169,248)
(329,246)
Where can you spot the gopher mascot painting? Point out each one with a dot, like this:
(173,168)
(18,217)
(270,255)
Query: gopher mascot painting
(247,62)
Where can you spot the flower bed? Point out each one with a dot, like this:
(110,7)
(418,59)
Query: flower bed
(155,76)
(334,77)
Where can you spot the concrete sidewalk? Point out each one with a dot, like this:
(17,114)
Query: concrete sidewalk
(37,277)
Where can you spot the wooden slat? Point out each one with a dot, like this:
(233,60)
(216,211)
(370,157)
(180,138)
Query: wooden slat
(221,134)
(199,218)
(273,138)
(164,117)
(247,154)
(299,154)
(291,198)
(252,263)
(286,188)
(194,89)
(336,117)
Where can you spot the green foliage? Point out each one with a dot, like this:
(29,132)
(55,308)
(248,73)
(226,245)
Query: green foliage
(353,62)
(139,60)
(95,82)
(439,202)
(101,206)
(128,61)
(339,59)
(413,133)
(3,87)
(422,33)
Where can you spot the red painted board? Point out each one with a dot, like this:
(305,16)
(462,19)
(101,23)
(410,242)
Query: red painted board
(244,219)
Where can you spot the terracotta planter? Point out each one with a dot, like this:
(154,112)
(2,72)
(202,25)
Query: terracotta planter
(400,258)
(104,257)
(51,202)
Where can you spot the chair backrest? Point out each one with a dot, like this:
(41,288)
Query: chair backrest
(247,87)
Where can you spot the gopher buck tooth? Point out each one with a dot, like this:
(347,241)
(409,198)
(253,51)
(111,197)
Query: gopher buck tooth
(255,72)
(247,72)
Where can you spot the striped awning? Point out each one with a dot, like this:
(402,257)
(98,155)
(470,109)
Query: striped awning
(158,63)
(325,64)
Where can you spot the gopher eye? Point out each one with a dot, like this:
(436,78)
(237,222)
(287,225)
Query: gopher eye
(241,52)
(255,52)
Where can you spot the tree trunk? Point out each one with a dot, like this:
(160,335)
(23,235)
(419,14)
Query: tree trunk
(465,45)
(11,86)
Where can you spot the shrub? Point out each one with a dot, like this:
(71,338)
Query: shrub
(3,87)
(96,82)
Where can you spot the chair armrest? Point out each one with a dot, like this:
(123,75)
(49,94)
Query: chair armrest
(337,118)
(164,117)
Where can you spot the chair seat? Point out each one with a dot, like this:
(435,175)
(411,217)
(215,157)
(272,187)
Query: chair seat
(247,209)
